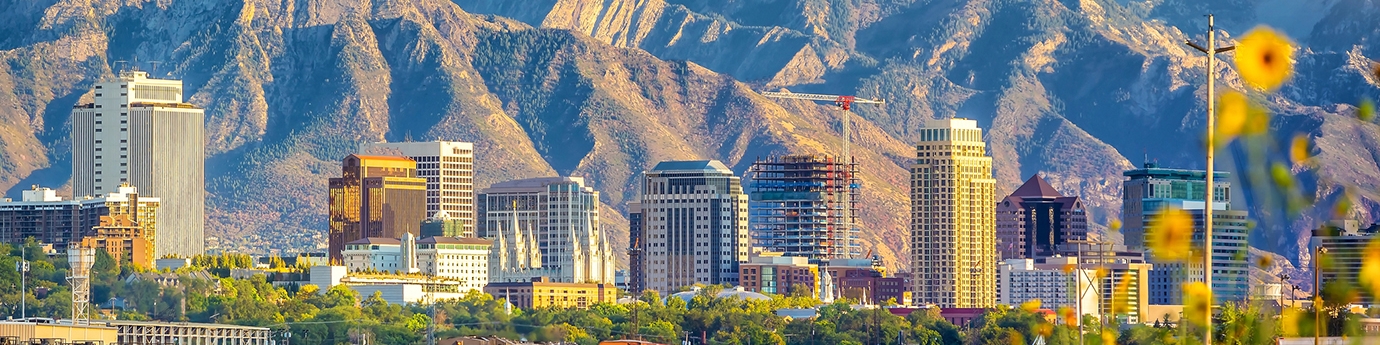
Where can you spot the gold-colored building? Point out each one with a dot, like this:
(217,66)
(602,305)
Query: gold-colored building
(56,333)
(542,293)
(122,237)
(376,196)
(953,212)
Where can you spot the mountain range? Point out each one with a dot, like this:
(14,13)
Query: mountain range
(1075,90)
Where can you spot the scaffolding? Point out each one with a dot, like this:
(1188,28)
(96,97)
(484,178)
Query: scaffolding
(797,206)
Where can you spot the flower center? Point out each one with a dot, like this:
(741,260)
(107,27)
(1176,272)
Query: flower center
(1268,58)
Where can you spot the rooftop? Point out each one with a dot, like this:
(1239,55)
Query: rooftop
(1152,170)
(454,240)
(376,240)
(703,165)
(535,184)
(1037,187)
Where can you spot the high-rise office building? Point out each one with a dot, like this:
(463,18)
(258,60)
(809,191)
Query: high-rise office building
(448,167)
(555,219)
(797,207)
(1152,188)
(376,196)
(694,225)
(1149,191)
(1346,243)
(953,228)
(1035,219)
(139,131)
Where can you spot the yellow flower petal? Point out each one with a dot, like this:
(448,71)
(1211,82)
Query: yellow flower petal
(1265,262)
(1031,306)
(1108,336)
(1264,58)
(1121,298)
(1369,276)
(1170,236)
(1366,111)
(1197,303)
(1069,315)
(1298,149)
(1233,109)
(1114,225)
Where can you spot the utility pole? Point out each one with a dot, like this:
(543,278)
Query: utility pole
(1211,50)
(23,267)
(1317,295)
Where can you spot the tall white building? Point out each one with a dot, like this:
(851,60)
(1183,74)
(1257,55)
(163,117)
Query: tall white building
(139,131)
(546,227)
(694,225)
(448,167)
(1050,281)
(953,217)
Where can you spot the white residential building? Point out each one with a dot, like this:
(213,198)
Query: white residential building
(448,167)
(694,227)
(1054,282)
(374,253)
(139,131)
(462,259)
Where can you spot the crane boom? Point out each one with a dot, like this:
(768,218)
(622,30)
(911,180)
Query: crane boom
(840,100)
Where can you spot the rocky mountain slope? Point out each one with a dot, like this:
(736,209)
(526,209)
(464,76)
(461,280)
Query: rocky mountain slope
(1077,90)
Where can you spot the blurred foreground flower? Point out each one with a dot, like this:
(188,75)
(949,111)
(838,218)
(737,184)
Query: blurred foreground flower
(1366,111)
(1121,297)
(1265,58)
(1369,276)
(1031,306)
(1170,237)
(1069,316)
(1197,303)
(1233,109)
(1298,149)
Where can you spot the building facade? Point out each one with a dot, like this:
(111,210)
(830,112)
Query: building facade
(1035,219)
(543,293)
(865,280)
(694,225)
(462,259)
(1230,266)
(776,274)
(797,206)
(376,196)
(1052,282)
(636,259)
(1346,243)
(953,226)
(375,254)
(442,224)
(47,218)
(1150,189)
(448,167)
(139,131)
(547,227)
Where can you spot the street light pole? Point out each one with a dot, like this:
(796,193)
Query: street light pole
(1211,50)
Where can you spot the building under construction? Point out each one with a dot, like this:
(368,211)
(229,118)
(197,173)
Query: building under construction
(797,206)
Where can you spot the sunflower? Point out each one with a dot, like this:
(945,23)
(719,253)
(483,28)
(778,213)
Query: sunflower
(1121,298)
(1366,111)
(1031,306)
(1233,109)
(1171,235)
(1197,303)
(1265,58)
(1069,315)
(1298,149)
(1369,276)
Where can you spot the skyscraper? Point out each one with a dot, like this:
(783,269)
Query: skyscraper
(554,219)
(953,227)
(139,131)
(1035,219)
(375,196)
(797,206)
(448,167)
(636,260)
(1150,190)
(694,225)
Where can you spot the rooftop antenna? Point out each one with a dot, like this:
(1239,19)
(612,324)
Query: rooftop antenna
(119,66)
(155,66)
(136,64)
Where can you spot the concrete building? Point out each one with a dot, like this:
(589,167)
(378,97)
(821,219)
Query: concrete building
(542,293)
(1346,243)
(546,227)
(865,280)
(462,259)
(375,254)
(1035,219)
(139,131)
(695,227)
(1150,189)
(797,206)
(122,220)
(448,167)
(953,227)
(376,196)
(1052,281)
(773,273)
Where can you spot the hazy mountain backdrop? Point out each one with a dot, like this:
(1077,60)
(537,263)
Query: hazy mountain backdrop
(1076,90)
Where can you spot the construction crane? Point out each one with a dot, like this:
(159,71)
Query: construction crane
(845,103)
